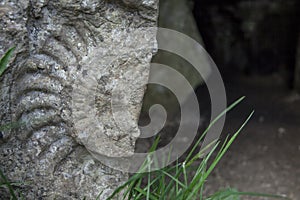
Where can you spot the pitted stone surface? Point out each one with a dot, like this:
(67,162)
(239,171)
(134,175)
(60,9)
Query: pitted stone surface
(57,41)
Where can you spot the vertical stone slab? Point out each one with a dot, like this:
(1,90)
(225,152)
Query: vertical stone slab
(176,15)
(59,42)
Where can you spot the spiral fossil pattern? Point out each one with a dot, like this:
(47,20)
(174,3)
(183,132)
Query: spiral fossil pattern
(44,150)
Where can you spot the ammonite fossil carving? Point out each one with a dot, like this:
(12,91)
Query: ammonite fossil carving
(62,42)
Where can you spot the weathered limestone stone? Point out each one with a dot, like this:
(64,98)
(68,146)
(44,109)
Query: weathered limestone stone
(176,15)
(57,43)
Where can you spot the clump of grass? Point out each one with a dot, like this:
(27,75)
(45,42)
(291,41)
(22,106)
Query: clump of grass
(172,182)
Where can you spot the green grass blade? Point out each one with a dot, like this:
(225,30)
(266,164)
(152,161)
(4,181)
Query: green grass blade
(151,197)
(200,153)
(5,59)
(175,179)
(213,123)
(99,195)
(198,180)
(184,173)
(149,184)
(7,183)
(224,150)
(228,194)
(223,145)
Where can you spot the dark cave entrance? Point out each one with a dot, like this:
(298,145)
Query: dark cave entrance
(250,37)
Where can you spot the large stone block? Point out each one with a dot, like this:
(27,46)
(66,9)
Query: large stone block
(58,43)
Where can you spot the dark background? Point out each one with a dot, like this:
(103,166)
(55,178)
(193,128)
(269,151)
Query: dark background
(255,44)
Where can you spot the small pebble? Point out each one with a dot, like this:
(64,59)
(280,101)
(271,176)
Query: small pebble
(261,119)
(281,131)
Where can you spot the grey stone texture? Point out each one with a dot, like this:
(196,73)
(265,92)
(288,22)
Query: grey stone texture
(57,42)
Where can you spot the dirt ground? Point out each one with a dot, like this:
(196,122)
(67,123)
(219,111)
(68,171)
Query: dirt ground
(265,157)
